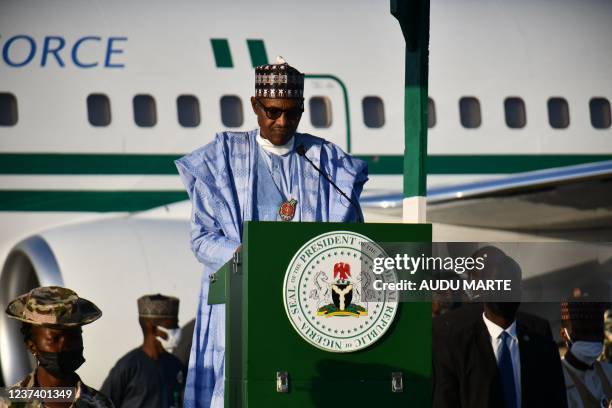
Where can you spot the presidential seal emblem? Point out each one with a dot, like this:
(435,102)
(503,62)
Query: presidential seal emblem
(328,293)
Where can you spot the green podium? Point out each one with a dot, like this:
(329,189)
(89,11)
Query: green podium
(297,333)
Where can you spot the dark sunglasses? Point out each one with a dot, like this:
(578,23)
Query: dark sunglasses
(275,113)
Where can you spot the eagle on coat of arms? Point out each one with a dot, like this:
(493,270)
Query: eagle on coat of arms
(344,293)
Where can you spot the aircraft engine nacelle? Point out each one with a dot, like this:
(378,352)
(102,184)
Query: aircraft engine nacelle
(111,262)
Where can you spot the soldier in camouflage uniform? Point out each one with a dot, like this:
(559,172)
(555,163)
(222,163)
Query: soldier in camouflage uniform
(51,325)
(607,353)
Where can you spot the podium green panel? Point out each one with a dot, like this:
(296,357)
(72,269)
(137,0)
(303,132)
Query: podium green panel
(265,355)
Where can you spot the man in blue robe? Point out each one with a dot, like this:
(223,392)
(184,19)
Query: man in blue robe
(260,175)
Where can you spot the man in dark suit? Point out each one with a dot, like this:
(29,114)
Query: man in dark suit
(488,355)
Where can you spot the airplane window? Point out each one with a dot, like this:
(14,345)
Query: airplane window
(8,109)
(431,113)
(98,110)
(514,108)
(231,111)
(188,109)
(373,111)
(145,113)
(600,113)
(558,113)
(469,112)
(320,111)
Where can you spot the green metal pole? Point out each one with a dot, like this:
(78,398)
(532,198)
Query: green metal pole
(413,17)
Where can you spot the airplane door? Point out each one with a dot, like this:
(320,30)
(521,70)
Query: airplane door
(325,110)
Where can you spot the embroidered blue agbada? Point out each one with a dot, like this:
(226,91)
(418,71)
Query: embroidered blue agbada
(228,184)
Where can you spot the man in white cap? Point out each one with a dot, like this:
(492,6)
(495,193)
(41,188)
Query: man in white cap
(149,375)
(271,173)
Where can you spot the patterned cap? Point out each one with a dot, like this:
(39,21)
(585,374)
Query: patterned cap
(53,306)
(278,80)
(583,316)
(158,306)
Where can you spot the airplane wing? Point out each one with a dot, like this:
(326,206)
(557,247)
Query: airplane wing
(571,197)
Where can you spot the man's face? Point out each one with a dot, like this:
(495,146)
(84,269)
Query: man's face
(278,131)
(595,333)
(45,339)
(166,324)
(506,310)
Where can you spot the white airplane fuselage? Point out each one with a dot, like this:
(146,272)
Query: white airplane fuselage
(60,170)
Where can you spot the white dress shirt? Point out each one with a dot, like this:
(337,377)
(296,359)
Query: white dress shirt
(495,332)
(282,166)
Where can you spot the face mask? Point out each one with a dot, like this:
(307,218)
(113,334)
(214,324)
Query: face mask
(585,351)
(61,364)
(172,340)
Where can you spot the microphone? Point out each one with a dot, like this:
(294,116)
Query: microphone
(301,150)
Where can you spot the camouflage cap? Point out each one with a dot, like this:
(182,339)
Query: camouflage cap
(53,306)
(158,306)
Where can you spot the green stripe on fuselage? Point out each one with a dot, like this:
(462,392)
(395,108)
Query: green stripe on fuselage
(257,50)
(154,165)
(138,164)
(86,201)
(481,164)
(221,50)
(87,164)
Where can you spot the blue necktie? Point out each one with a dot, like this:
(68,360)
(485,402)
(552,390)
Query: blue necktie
(506,372)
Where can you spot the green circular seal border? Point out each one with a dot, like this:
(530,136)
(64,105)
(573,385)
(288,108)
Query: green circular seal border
(288,273)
